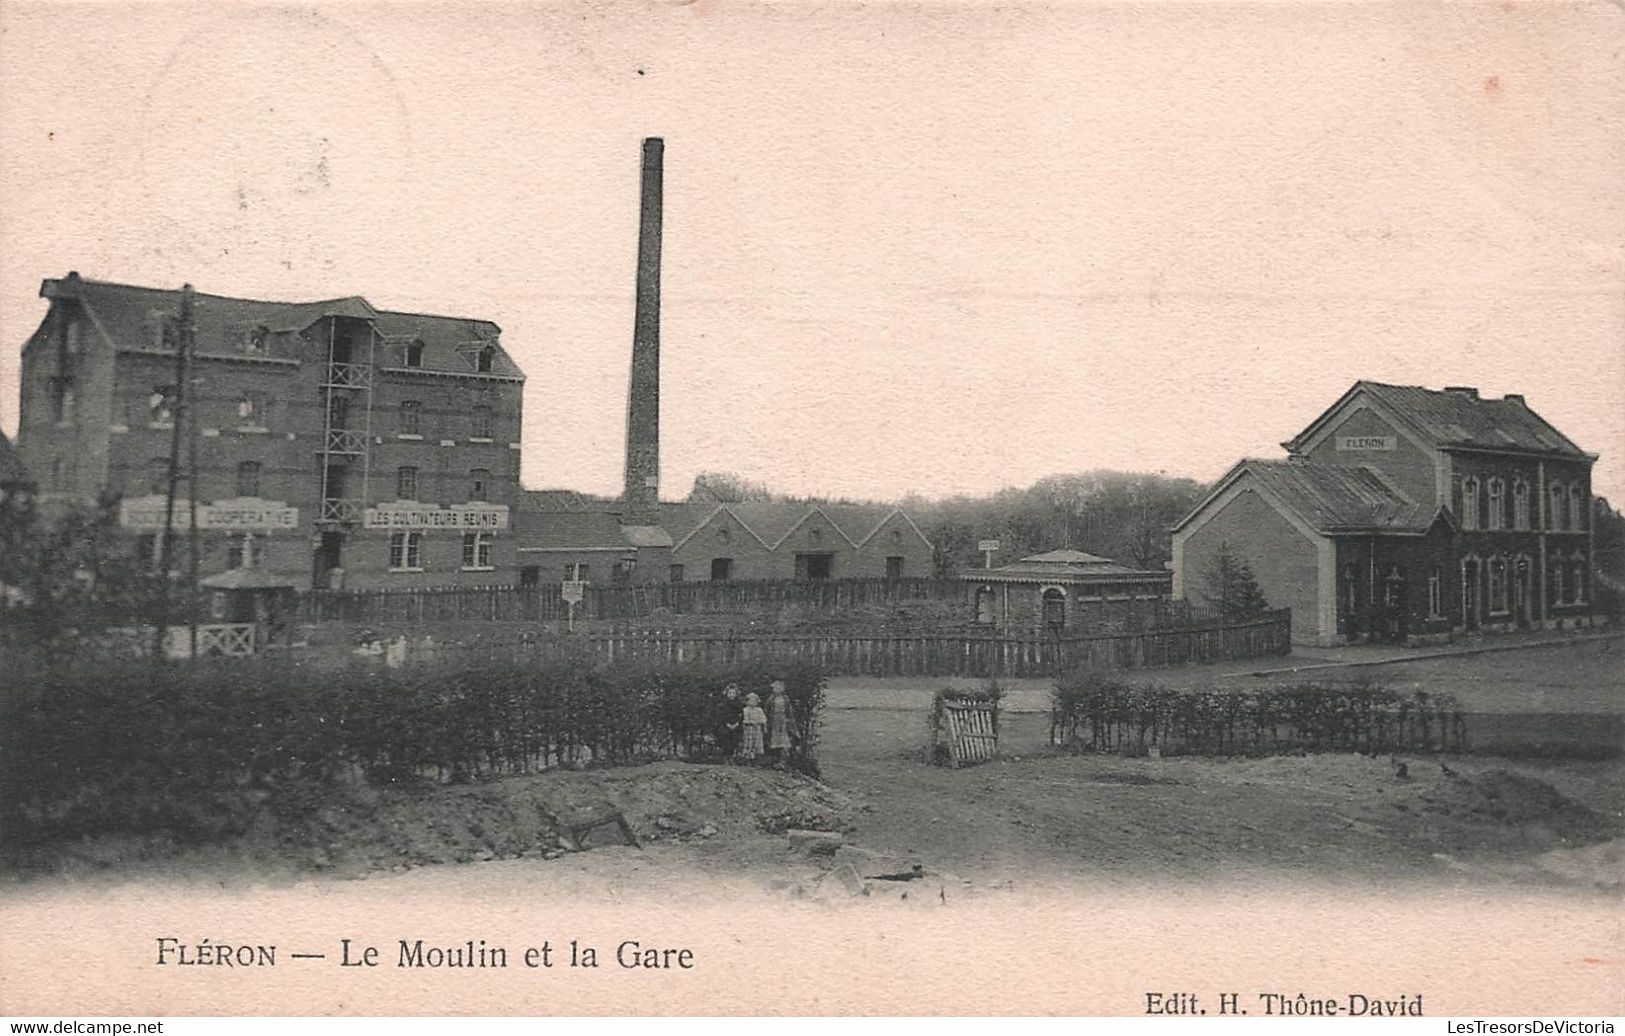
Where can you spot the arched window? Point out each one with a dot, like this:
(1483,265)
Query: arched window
(1497,508)
(477,550)
(1576,507)
(984,605)
(1554,516)
(1577,579)
(406,551)
(1520,504)
(1498,586)
(1554,573)
(1469,504)
(243,551)
(1435,594)
(1054,608)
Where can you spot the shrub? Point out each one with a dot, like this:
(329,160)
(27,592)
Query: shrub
(1100,711)
(197,750)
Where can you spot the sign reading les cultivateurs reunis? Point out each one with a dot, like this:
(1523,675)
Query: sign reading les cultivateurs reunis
(436,518)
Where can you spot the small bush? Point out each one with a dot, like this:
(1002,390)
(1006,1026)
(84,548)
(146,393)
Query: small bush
(1100,711)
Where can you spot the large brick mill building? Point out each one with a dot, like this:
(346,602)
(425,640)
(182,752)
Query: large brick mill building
(1405,513)
(337,444)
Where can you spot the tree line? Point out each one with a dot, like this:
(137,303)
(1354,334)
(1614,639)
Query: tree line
(1125,516)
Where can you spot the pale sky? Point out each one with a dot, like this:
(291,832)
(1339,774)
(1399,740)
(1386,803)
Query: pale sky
(934,248)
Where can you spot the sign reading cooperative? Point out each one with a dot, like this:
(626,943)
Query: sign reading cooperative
(147,514)
(1366,442)
(471,518)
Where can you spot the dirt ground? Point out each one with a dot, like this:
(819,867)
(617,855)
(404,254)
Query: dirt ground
(1032,817)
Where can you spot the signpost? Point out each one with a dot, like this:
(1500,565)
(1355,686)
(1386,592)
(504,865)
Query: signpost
(987,547)
(573,591)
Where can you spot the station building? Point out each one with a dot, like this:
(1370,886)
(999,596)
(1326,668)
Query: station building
(338,445)
(1065,590)
(1407,514)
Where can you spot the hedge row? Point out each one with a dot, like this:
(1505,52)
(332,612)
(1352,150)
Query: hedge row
(1100,711)
(199,750)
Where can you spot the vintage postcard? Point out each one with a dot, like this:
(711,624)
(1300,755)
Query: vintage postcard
(805,508)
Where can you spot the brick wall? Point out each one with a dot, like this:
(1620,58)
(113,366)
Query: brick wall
(1283,560)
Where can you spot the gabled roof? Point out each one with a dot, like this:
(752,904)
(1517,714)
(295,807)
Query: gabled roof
(1456,417)
(125,315)
(1329,498)
(12,472)
(772,522)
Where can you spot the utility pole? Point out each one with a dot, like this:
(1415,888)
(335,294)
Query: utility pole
(188,348)
(166,542)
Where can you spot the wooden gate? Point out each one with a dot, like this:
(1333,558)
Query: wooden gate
(971,730)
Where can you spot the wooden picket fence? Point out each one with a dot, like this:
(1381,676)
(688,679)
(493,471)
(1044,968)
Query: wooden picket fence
(939,654)
(545,602)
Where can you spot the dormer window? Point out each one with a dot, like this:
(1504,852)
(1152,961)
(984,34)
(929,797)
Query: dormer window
(484,359)
(255,340)
(165,332)
(414,354)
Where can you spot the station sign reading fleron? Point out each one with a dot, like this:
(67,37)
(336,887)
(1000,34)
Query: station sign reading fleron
(490,518)
(1362,443)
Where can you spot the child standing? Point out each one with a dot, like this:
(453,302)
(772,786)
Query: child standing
(755,726)
(778,724)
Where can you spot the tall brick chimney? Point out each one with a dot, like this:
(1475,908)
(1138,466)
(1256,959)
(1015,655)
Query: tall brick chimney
(641,496)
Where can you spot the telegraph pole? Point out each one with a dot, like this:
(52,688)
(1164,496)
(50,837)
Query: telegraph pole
(188,348)
(166,542)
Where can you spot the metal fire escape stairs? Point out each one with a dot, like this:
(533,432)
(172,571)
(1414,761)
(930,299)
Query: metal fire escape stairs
(346,445)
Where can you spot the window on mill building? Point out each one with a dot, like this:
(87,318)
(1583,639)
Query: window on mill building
(1497,500)
(1469,504)
(1520,504)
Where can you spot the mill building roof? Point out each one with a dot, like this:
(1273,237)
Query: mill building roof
(129,318)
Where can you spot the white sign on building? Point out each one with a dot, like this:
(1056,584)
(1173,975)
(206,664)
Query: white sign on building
(464,518)
(146,514)
(1366,443)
